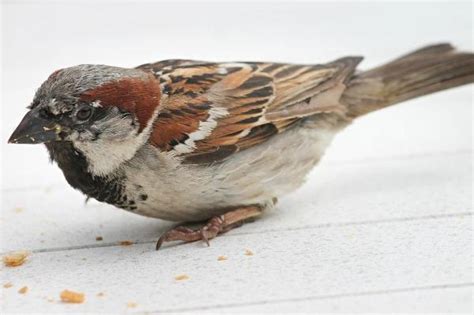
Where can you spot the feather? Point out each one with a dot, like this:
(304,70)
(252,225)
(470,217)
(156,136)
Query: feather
(214,109)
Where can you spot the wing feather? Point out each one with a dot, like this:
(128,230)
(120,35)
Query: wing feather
(211,110)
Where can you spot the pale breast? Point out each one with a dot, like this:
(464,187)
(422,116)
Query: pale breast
(186,192)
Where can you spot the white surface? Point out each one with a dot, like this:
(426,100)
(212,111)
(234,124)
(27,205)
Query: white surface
(287,264)
(430,299)
(384,223)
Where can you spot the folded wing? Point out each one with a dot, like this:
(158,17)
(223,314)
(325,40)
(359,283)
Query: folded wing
(211,110)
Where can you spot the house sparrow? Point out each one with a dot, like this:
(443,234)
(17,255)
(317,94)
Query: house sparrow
(185,140)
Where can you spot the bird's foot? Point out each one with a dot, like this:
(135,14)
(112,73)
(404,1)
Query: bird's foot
(215,226)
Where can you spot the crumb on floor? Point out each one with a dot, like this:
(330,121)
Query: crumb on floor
(126,243)
(23,290)
(221,258)
(181,277)
(8,285)
(68,296)
(15,259)
(132,304)
(99,238)
(248,252)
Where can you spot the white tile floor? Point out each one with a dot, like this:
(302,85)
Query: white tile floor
(390,231)
(384,223)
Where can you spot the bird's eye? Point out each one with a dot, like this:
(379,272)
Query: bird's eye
(84,113)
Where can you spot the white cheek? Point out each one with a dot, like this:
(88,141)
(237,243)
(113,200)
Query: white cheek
(118,143)
(104,155)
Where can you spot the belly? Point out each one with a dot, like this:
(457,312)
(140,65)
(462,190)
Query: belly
(163,188)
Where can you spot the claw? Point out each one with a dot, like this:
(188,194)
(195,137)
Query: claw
(214,227)
(204,237)
(179,233)
(159,243)
(182,233)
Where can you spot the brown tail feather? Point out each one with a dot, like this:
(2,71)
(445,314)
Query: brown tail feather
(424,71)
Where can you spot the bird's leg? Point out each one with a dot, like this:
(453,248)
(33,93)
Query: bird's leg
(216,225)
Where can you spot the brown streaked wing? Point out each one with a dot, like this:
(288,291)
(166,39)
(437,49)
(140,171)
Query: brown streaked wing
(213,110)
(168,65)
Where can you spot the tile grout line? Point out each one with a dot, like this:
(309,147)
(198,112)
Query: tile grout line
(318,297)
(367,222)
(309,227)
(357,161)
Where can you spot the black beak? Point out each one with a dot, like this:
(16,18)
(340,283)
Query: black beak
(34,129)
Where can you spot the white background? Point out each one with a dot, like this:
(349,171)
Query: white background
(408,167)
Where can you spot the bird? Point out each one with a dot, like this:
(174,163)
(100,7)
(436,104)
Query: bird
(214,142)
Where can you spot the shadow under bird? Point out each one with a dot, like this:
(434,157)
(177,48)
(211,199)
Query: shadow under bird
(186,140)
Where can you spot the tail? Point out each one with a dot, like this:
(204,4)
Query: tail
(424,71)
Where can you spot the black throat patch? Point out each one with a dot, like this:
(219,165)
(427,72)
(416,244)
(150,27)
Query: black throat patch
(75,168)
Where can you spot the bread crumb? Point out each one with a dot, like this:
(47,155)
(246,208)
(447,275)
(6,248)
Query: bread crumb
(248,252)
(126,243)
(71,297)
(99,238)
(18,209)
(181,277)
(15,259)
(132,304)
(23,290)
(221,258)
(8,285)
(100,294)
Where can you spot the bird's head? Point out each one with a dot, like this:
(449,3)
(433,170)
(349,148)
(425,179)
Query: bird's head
(103,111)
